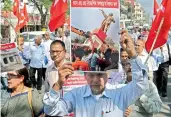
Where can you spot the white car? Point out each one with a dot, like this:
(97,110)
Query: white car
(30,36)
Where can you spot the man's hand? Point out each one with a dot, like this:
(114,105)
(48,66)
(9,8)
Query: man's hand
(64,71)
(127,43)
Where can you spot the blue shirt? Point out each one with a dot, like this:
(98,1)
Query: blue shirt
(112,102)
(24,54)
(36,56)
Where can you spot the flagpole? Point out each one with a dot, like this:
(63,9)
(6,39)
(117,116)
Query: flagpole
(63,33)
(155,39)
(19,18)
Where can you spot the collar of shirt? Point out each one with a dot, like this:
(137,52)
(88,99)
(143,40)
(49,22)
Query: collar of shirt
(53,67)
(143,53)
(89,93)
(45,41)
(38,45)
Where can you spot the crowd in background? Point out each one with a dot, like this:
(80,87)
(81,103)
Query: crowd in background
(93,59)
(44,58)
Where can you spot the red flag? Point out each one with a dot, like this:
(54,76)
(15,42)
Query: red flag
(156,7)
(58,10)
(164,12)
(16,7)
(22,18)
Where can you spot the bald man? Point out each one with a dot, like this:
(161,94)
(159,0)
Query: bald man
(36,62)
(143,55)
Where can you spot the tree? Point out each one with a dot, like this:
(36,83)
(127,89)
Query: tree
(43,7)
(7,5)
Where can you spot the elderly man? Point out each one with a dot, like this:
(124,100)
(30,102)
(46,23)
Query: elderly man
(143,55)
(36,62)
(94,100)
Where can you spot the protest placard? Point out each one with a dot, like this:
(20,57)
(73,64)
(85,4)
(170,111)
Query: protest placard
(94,34)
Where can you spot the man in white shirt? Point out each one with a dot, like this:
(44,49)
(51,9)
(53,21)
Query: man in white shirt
(143,55)
(47,60)
(162,73)
(57,53)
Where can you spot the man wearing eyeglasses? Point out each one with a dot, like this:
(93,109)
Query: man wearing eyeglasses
(57,53)
(94,100)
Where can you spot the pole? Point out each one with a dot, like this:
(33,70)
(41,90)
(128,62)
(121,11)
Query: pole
(131,14)
(63,33)
(155,39)
(19,18)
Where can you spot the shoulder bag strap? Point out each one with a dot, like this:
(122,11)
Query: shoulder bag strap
(30,100)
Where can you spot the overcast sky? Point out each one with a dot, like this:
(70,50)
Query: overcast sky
(148,5)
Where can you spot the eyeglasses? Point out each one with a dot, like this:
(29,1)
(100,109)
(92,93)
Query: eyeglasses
(137,45)
(124,56)
(58,51)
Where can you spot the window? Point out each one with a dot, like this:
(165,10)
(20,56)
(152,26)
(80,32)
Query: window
(5,60)
(11,59)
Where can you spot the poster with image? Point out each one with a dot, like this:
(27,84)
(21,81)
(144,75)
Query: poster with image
(10,59)
(94,34)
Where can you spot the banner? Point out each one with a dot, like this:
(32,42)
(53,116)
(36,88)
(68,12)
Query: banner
(10,59)
(94,34)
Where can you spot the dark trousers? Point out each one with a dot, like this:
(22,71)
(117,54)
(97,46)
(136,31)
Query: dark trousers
(44,73)
(93,68)
(35,83)
(161,77)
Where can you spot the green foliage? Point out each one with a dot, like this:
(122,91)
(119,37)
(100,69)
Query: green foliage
(7,5)
(46,3)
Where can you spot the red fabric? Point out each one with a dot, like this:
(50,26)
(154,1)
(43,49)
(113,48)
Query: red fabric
(58,10)
(156,7)
(100,34)
(22,16)
(80,65)
(16,7)
(164,12)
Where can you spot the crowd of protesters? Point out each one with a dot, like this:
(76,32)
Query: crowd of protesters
(143,83)
(93,59)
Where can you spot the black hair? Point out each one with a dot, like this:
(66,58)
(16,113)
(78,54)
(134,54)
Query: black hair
(25,73)
(58,41)
(122,50)
(95,50)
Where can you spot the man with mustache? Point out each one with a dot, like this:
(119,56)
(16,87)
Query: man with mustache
(94,99)
(57,53)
